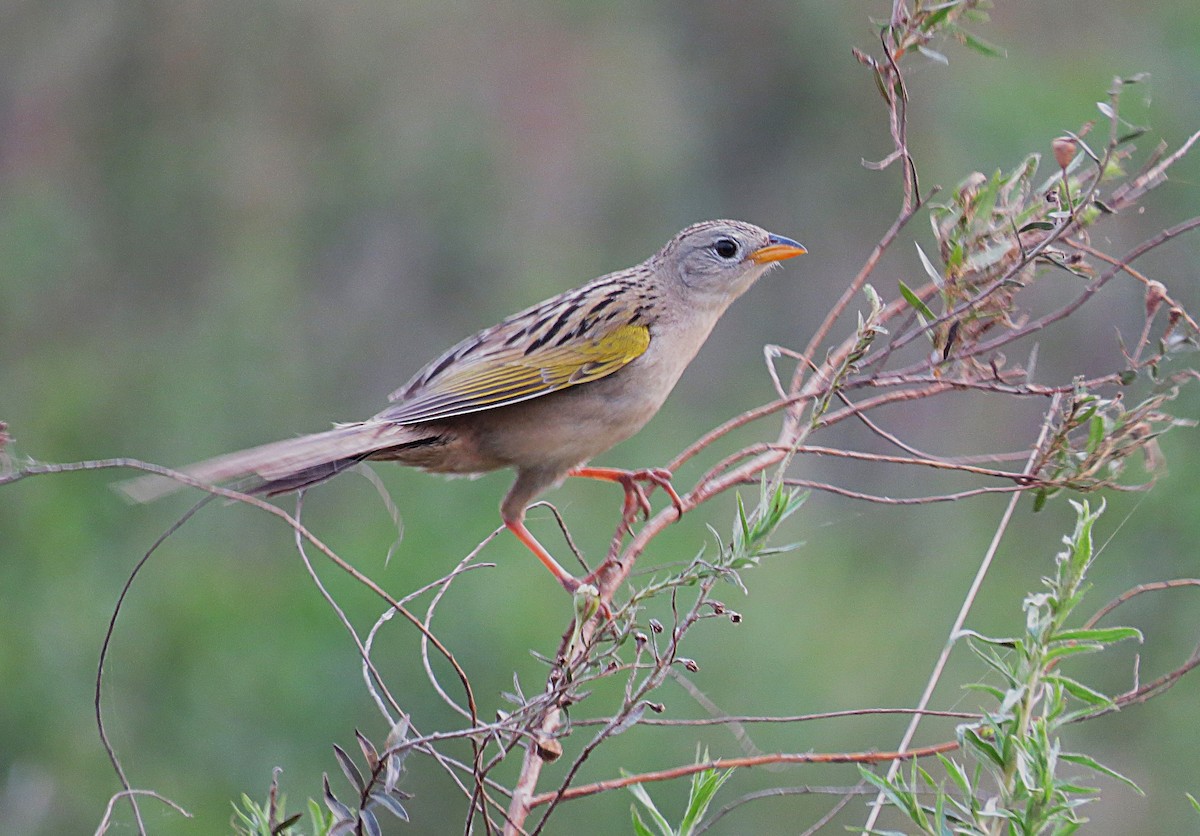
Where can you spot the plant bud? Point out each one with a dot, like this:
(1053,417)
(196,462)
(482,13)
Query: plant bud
(1156,292)
(549,749)
(1064,148)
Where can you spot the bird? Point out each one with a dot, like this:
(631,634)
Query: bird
(542,392)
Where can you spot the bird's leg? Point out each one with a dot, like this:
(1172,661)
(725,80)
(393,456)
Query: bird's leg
(635,495)
(516,525)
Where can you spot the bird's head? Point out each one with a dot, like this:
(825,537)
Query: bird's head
(721,259)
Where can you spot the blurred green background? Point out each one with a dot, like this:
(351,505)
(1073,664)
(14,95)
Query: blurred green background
(223,223)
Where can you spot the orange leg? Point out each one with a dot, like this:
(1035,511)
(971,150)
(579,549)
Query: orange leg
(569,582)
(517,527)
(635,495)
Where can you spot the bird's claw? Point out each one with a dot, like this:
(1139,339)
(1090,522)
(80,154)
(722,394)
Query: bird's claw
(636,498)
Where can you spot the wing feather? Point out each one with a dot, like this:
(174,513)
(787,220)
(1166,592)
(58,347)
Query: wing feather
(478,379)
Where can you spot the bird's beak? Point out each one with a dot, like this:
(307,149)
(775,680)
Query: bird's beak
(778,249)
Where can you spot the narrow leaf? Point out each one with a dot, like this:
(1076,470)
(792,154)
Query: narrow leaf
(631,719)
(934,274)
(1092,763)
(957,774)
(283,826)
(917,304)
(981,46)
(1108,635)
(349,769)
(340,811)
(702,795)
(368,750)
(1080,691)
(639,827)
(370,823)
(391,804)
(933,55)
(1036,225)
(643,797)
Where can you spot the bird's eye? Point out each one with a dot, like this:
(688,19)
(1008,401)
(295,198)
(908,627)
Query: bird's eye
(725,248)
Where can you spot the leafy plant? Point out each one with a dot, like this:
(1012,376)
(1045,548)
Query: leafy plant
(704,786)
(1010,780)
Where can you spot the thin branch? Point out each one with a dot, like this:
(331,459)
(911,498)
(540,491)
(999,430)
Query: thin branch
(964,610)
(773,759)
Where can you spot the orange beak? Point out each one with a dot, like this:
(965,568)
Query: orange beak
(779,249)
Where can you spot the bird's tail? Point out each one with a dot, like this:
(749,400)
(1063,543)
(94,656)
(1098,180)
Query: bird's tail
(288,465)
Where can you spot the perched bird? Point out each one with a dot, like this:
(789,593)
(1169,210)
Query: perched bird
(541,392)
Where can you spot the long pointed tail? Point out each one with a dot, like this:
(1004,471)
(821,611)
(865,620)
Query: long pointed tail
(290,464)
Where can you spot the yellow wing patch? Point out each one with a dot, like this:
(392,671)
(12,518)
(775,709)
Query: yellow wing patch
(508,376)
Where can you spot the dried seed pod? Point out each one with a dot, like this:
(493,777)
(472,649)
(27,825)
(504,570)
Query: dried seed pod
(1156,292)
(549,749)
(1064,148)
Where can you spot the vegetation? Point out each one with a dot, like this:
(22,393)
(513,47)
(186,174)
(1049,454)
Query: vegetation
(1033,345)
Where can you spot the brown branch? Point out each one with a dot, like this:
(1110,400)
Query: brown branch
(1157,586)
(878,499)
(797,718)
(743,763)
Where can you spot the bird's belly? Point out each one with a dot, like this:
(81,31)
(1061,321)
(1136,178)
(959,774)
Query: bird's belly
(555,431)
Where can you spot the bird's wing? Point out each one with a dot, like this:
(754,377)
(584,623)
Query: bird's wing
(484,373)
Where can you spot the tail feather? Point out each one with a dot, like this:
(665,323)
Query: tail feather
(286,465)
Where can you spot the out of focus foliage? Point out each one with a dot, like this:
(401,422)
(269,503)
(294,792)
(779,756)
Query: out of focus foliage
(222,223)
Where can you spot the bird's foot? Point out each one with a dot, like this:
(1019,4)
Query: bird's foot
(636,496)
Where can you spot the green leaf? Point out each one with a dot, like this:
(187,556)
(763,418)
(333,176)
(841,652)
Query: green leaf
(977,744)
(990,690)
(1065,650)
(1093,764)
(957,774)
(1080,691)
(1107,635)
(900,798)
(981,46)
(704,787)
(1095,433)
(936,15)
(919,306)
(643,797)
(639,827)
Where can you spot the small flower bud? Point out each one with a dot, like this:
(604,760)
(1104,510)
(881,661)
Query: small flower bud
(656,625)
(549,749)
(1064,148)
(689,664)
(1156,292)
